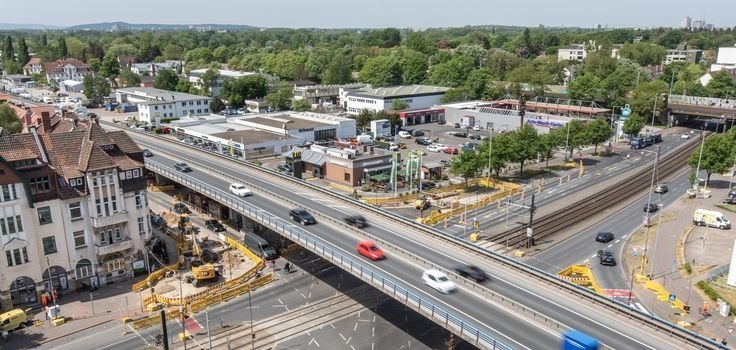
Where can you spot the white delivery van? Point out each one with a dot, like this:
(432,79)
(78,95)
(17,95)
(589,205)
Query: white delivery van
(711,218)
(364,139)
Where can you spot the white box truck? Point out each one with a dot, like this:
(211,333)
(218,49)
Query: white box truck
(711,218)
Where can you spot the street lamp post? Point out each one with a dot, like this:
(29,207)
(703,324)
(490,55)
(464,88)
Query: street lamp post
(654,112)
(649,201)
(490,150)
(567,139)
(700,156)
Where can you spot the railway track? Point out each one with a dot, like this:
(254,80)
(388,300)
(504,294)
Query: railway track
(596,202)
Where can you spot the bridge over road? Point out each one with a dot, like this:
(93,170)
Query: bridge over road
(721,108)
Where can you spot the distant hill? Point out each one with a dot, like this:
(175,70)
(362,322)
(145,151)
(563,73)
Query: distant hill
(12,26)
(108,26)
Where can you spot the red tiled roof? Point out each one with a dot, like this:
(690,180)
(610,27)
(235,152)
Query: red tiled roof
(58,66)
(33,62)
(14,147)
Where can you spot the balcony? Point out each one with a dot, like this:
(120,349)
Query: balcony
(125,244)
(102,221)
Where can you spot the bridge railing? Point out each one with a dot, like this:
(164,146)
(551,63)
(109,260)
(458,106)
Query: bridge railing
(335,255)
(615,307)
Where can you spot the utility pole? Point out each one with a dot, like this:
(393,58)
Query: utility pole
(529,230)
(522,109)
(164,330)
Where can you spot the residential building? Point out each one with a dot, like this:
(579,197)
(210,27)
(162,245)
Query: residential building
(66,69)
(157,104)
(686,23)
(381,99)
(726,59)
(69,219)
(323,95)
(683,54)
(575,52)
(33,66)
(150,69)
(195,77)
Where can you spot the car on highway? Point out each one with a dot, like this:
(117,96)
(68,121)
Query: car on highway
(438,281)
(472,272)
(302,216)
(436,147)
(147,153)
(605,257)
(604,237)
(661,188)
(370,250)
(685,136)
(182,167)
(651,207)
(239,189)
(356,220)
(214,225)
(451,150)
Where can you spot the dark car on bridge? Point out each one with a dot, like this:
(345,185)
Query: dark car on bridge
(302,216)
(356,220)
(183,167)
(651,207)
(472,272)
(214,225)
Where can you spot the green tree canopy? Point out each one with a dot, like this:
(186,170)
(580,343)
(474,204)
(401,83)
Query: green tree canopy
(717,155)
(166,79)
(598,131)
(280,99)
(633,125)
(381,71)
(9,121)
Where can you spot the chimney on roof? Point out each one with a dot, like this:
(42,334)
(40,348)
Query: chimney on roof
(45,122)
(93,118)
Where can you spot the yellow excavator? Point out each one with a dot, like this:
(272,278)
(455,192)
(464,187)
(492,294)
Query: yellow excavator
(201,260)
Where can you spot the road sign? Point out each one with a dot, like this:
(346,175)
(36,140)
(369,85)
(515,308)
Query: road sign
(673,297)
(626,111)
(528,231)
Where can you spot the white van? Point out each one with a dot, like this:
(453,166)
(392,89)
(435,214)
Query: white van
(711,218)
(364,139)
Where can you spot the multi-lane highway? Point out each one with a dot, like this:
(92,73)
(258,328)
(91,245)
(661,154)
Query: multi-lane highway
(471,303)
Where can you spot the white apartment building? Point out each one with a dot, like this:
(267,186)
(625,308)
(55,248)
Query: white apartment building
(66,69)
(156,104)
(575,52)
(381,99)
(69,219)
(195,77)
(726,59)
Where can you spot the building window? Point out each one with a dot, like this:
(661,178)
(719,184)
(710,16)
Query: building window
(18,224)
(347,177)
(141,228)
(7,193)
(44,215)
(138,199)
(17,256)
(40,185)
(75,210)
(79,240)
(3,229)
(49,245)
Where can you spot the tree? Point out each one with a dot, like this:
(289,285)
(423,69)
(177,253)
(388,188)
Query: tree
(721,85)
(598,131)
(549,143)
(109,67)
(12,67)
(96,88)
(185,86)
(8,50)
(363,119)
(128,78)
(301,105)
(236,91)
(644,96)
(338,70)
(643,53)
(452,73)
(477,82)
(466,164)
(633,125)
(61,49)
(381,71)
(524,146)
(280,98)
(499,147)
(9,121)
(217,105)
(457,94)
(23,55)
(209,78)
(717,156)
(166,79)
(584,87)
(414,66)
(398,105)
(94,64)
(417,41)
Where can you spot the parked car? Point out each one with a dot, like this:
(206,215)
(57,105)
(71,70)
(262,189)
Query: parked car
(370,250)
(436,147)
(605,257)
(476,127)
(356,220)
(285,167)
(456,125)
(240,190)
(604,237)
(474,137)
(651,207)
(426,185)
(392,146)
(685,136)
(439,281)
(182,167)
(459,134)
(302,216)
(423,141)
(214,225)
(147,153)
(472,272)
(451,150)
(445,162)
(404,134)
(661,188)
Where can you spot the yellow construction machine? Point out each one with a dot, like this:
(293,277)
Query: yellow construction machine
(200,260)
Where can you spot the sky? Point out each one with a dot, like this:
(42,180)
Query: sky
(375,13)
